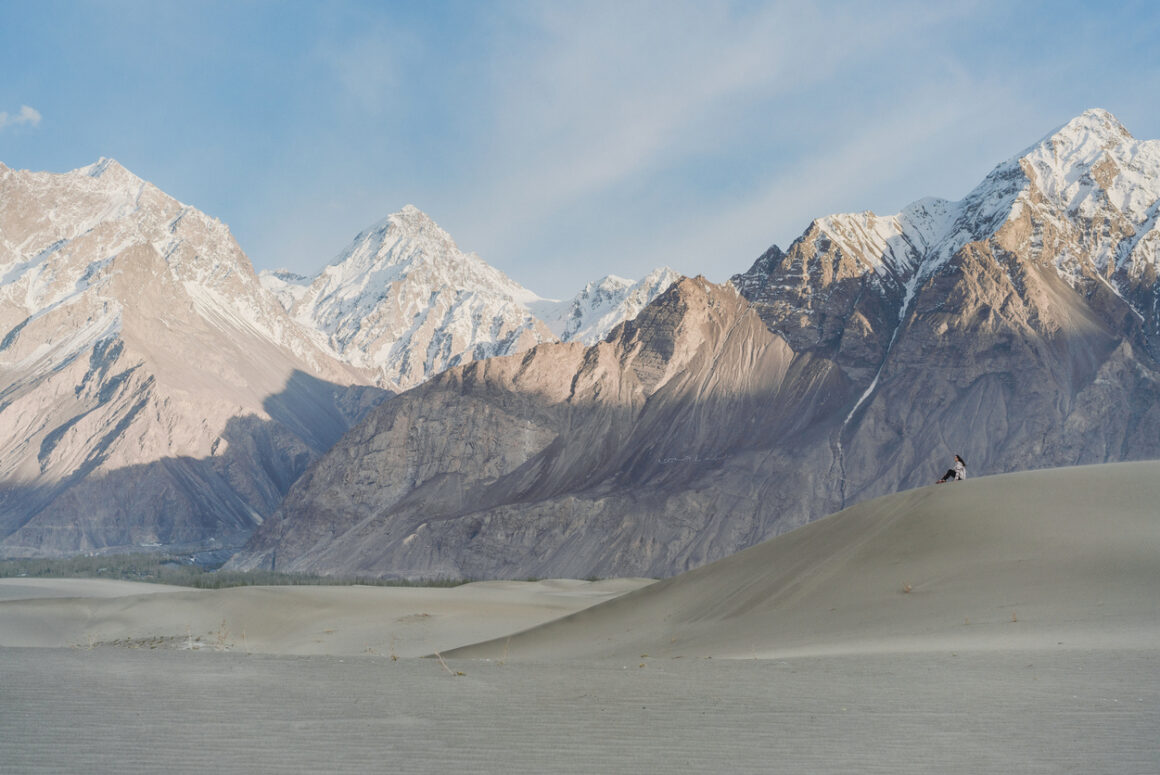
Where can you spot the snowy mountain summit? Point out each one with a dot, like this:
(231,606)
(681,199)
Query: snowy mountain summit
(404,301)
(589,315)
(1084,202)
(1108,182)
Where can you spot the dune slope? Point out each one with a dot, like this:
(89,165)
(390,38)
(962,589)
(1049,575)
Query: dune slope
(1054,558)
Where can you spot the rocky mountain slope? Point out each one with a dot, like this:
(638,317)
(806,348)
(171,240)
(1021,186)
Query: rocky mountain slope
(637,452)
(154,393)
(151,392)
(1017,327)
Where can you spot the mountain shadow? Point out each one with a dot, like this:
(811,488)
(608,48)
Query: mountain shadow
(185,503)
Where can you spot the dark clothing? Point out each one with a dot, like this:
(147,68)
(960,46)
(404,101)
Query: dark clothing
(958,473)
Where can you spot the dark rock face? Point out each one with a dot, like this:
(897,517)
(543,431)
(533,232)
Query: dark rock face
(1017,327)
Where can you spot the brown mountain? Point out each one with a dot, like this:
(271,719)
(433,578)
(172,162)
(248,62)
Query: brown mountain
(152,394)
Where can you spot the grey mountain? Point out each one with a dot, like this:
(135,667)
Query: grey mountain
(156,393)
(1018,327)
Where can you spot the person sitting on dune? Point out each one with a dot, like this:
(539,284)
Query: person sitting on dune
(958,473)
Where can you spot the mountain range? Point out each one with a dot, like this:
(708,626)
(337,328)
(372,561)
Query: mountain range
(405,303)
(1016,327)
(412,412)
(156,392)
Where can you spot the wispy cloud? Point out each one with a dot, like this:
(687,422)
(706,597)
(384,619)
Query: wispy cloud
(369,66)
(617,93)
(861,171)
(26,117)
(563,141)
(616,97)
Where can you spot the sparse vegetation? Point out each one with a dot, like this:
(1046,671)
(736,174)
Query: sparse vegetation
(179,571)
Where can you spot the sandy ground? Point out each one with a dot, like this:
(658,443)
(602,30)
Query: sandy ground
(300,621)
(1067,557)
(1002,625)
(123,711)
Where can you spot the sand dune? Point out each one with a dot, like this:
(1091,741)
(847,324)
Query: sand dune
(1005,624)
(306,620)
(1064,557)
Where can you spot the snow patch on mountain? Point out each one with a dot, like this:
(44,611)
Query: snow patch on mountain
(1091,169)
(602,305)
(404,301)
(288,287)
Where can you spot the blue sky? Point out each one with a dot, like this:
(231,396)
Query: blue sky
(560,141)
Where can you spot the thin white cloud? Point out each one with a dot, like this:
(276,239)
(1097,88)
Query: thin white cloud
(927,137)
(629,90)
(26,117)
(370,65)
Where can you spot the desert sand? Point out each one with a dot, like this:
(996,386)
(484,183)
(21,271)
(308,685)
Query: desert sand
(1004,624)
(299,621)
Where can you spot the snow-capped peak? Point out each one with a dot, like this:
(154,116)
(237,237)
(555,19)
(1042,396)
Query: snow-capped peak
(605,288)
(404,300)
(409,223)
(102,165)
(105,244)
(408,245)
(1090,165)
(1093,129)
(1091,153)
(589,315)
(1085,198)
